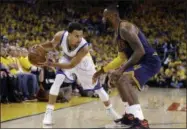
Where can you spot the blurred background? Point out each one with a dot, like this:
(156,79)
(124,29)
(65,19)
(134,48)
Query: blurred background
(24,23)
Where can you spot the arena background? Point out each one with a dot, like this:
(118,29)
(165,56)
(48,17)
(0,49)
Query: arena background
(24,23)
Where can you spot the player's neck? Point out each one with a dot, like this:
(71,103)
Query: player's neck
(69,44)
(116,24)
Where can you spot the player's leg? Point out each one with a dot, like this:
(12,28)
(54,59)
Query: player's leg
(133,113)
(104,97)
(86,83)
(127,85)
(128,93)
(52,98)
(112,82)
(61,76)
(85,71)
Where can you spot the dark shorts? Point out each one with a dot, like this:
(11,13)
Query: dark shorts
(144,70)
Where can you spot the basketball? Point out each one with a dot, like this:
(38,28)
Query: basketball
(37,54)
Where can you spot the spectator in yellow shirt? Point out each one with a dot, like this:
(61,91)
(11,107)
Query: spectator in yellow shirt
(23,78)
(4,59)
(24,62)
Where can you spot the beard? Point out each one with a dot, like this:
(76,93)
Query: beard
(108,23)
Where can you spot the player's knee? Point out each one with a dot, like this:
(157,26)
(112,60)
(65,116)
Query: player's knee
(125,79)
(54,90)
(56,85)
(102,94)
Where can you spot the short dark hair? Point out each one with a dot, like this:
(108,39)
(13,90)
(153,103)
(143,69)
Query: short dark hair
(74,26)
(113,8)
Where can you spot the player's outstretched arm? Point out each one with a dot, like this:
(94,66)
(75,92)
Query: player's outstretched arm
(53,44)
(114,64)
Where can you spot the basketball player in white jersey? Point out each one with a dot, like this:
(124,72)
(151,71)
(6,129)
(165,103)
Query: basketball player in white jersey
(76,60)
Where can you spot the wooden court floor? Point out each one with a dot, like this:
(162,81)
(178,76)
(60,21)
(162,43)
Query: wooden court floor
(163,107)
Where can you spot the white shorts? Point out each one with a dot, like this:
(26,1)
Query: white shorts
(84,72)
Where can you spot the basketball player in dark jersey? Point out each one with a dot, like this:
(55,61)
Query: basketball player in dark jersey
(135,64)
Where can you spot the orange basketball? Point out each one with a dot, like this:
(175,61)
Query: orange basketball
(37,54)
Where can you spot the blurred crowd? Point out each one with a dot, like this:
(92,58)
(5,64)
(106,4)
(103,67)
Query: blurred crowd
(26,24)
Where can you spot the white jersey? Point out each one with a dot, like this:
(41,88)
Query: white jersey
(64,45)
(84,71)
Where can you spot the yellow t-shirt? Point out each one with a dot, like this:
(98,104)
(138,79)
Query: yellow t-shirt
(4,61)
(171,64)
(177,63)
(168,72)
(13,60)
(25,64)
(181,74)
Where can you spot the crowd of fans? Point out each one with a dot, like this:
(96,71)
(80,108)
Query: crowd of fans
(23,25)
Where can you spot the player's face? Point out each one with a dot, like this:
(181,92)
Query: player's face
(76,37)
(106,17)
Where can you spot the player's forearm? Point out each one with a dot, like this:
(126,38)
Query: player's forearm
(116,63)
(62,65)
(48,46)
(136,56)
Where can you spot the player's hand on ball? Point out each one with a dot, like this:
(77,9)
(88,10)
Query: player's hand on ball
(48,62)
(34,47)
(37,54)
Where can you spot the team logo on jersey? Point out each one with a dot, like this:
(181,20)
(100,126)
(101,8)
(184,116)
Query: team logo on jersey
(137,67)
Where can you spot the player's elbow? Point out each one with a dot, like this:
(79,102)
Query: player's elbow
(141,53)
(71,66)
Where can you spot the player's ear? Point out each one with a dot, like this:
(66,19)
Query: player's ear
(70,34)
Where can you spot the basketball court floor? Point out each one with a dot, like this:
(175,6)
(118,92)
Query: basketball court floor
(163,107)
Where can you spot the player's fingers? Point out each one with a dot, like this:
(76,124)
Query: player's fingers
(41,64)
(34,47)
(93,80)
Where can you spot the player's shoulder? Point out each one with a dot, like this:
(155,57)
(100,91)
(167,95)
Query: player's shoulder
(127,27)
(84,41)
(59,33)
(85,45)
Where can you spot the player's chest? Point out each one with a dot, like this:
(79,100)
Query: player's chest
(122,44)
(71,52)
